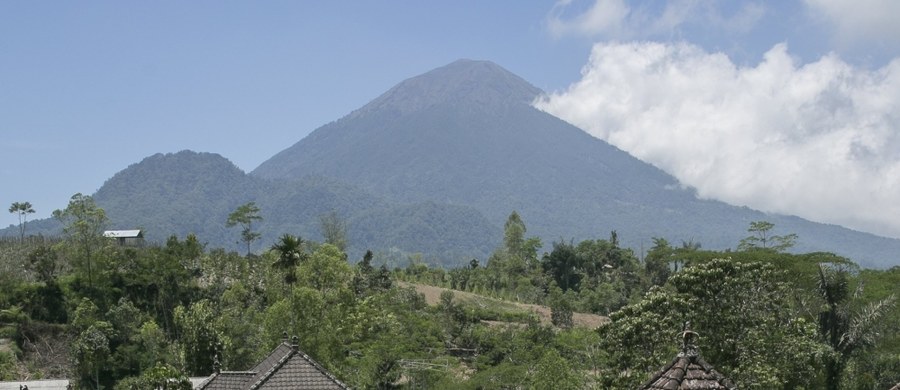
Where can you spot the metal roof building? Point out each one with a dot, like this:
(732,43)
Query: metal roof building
(123,237)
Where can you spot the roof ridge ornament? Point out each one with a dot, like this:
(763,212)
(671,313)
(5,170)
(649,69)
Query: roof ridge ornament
(689,346)
(295,343)
(217,366)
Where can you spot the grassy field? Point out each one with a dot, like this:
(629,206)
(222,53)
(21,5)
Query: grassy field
(433,296)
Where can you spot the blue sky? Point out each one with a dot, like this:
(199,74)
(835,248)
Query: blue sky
(87,88)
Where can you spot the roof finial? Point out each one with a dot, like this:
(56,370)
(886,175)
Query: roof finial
(217,366)
(295,342)
(284,337)
(689,337)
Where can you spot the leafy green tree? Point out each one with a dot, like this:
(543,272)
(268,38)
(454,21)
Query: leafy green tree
(334,230)
(514,235)
(560,309)
(154,346)
(657,262)
(742,311)
(611,269)
(199,335)
(91,348)
(762,238)
(325,270)
(555,372)
(159,377)
(22,209)
(188,252)
(84,223)
(845,330)
(364,272)
(368,279)
(92,351)
(244,215)
(137,274)
(564,266)
(44,262)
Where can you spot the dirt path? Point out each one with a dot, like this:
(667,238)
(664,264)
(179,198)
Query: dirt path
(433,296)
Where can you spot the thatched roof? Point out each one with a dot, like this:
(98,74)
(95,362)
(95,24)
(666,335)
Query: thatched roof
(688,371)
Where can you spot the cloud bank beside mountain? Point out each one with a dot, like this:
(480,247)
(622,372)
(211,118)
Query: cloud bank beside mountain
(819,140)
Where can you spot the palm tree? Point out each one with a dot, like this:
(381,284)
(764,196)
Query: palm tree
(22,209)
(845,330)
(290,254)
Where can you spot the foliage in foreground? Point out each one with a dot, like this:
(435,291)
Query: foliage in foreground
(132,317)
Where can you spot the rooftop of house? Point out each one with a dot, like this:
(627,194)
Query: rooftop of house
(286,367)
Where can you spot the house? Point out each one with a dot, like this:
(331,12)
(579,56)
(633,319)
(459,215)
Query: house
(688,371)
(126,237)
(287,367)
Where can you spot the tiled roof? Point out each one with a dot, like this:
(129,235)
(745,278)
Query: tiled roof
(285,368)
(281,352)
(227,380)
(896,387)
(298,371)
(688,372)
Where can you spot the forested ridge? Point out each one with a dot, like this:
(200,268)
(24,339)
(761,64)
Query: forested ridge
(81,306)
(192,193)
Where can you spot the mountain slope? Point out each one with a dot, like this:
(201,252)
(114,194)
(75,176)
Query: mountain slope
(466,134)
(188,192)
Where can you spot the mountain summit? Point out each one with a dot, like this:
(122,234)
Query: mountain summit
(467,134)
(468,82)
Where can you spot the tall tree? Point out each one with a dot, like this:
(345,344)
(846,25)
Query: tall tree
(201,338)
(334,230)
(762,238)
(514,235)
(656,264)
(84,223)
(244,215)
(290,254)
(22,209)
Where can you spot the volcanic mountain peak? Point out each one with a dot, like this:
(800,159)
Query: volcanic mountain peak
(482,83)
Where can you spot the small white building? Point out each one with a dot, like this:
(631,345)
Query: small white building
(126,237)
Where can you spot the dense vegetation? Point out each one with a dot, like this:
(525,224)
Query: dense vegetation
(126,317)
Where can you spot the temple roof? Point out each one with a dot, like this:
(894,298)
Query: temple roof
(688,371)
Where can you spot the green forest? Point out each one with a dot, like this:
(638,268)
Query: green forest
(111,316)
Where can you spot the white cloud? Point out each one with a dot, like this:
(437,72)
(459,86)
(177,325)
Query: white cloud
(604,17)
(620,20)
(820,140)
(870,23)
